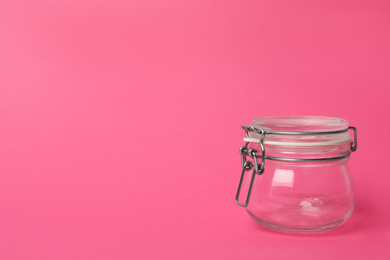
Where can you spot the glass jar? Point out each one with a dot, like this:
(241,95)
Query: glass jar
(295,173)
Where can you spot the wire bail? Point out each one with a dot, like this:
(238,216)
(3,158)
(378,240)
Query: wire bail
(248,165)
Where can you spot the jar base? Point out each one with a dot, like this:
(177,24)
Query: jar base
(299,230)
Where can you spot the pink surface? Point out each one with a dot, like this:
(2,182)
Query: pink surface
(120,123)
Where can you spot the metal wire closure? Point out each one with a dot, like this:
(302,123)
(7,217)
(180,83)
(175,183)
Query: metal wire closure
(355,143)
(258,170)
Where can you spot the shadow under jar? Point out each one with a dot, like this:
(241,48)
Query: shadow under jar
(295,176)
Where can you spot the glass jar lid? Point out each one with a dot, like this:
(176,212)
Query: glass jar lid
(300,123)
(301,131)
(301,136)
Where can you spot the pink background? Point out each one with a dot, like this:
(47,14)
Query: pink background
(120,123)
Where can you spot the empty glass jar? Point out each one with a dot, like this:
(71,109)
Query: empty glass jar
(295,176)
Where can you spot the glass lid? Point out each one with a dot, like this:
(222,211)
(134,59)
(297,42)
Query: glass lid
(300,123)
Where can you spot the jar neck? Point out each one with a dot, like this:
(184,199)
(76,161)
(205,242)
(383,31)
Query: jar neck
(292,164)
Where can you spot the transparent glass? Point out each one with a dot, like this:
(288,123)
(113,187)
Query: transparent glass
(302,197)
(303,189)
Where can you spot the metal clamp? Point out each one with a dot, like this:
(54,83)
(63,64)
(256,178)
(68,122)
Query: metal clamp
(258,170)
(354,144)
(248,165)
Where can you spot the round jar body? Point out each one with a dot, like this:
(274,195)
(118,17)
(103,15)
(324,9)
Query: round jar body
(302,197)
(297,173)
